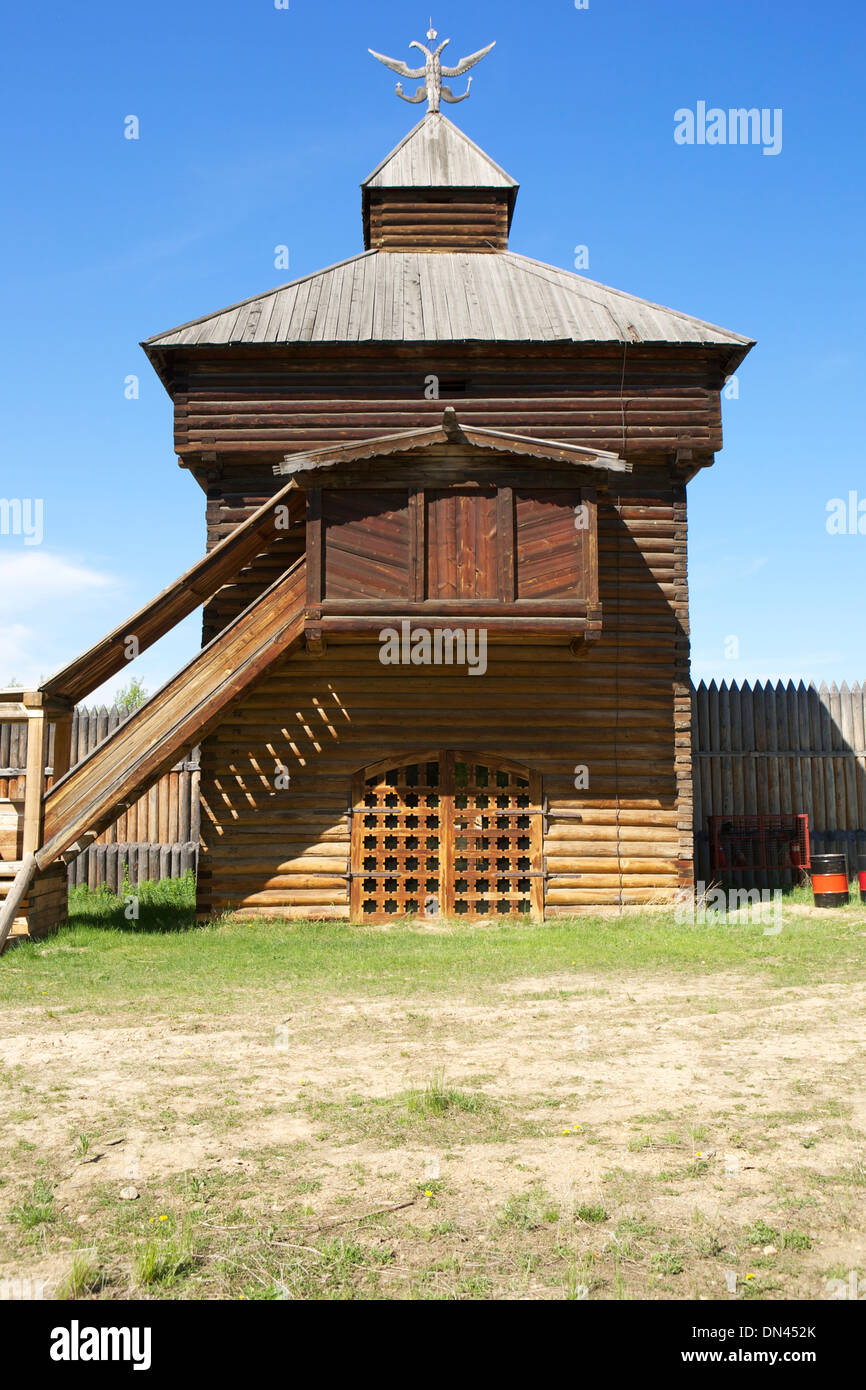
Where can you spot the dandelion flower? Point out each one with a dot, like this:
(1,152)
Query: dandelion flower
(428,1193)
(163,1218)
(750,1276)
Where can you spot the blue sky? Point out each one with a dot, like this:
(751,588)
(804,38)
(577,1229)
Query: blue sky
(257,126)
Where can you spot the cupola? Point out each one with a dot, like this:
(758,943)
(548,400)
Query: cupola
(438,191)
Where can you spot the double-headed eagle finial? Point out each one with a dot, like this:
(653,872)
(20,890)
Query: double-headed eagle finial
(433,71)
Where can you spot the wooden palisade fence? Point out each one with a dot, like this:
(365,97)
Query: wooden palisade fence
(758,749)
(785,748)
(156,838)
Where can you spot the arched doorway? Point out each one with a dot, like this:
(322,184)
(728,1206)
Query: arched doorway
(446,833)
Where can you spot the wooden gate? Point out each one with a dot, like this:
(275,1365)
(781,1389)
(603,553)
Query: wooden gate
(446,834)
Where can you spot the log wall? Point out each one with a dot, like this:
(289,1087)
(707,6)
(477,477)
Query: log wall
(447,220)
(248,406)
(763,748)
(623,713)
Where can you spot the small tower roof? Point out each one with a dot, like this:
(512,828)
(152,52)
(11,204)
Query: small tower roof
(435,154)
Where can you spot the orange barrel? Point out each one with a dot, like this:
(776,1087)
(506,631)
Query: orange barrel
(861,874)
(830,880)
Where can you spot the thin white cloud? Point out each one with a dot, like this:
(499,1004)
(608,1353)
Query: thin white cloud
(16,646)
(31,579)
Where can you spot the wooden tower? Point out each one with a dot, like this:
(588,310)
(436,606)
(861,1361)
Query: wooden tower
(474,452)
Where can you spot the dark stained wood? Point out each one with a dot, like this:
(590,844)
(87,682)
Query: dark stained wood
(252,405)
(506,543)
(417,546)
(315,561)
(464,219)
(461,544)
(367,544)
(551,550)
(468,551)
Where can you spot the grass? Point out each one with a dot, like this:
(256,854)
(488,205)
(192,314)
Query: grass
(162,1260)
(100,951)
(84,1277)
(529,1211)
(763,1234)
(437,1112)
(37,1209)
(438,1099)
(591,1214)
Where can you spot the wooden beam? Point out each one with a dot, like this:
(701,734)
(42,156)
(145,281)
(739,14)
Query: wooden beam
(505,543)
(314,640)
(315,552)
(34,787)
(417,546)
(62,746)
(12,712)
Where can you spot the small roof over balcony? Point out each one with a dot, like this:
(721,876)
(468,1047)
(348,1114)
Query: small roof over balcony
(311,465)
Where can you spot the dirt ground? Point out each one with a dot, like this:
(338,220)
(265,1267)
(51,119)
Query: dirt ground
(615,1135)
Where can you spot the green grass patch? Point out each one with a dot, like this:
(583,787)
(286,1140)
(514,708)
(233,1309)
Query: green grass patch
(37,1209)
(164,958)
(435,1113)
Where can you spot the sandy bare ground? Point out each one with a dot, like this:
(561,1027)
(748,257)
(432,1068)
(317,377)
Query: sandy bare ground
(636,1135)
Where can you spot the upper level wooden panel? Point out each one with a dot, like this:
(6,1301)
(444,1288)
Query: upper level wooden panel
(365,544)
(553,535)
(462,544)
(521,554)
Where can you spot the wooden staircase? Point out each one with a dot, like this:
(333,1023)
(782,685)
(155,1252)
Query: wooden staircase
(84,803)
(84,800)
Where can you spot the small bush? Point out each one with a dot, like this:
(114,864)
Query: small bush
(439,1099)
(592,1214)
(762,1234)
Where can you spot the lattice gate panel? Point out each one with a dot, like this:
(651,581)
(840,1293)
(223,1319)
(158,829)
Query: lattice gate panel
(397,861)
(492,841)
(446,835)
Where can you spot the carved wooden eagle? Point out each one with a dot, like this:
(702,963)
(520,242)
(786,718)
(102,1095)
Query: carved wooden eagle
(433,71)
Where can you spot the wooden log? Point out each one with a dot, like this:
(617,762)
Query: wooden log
(15,897)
